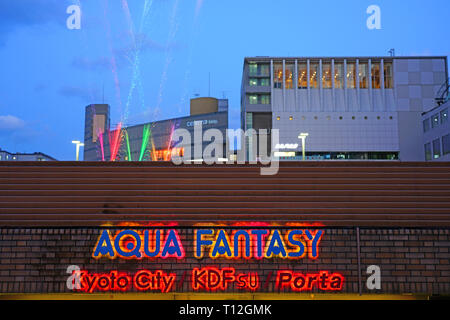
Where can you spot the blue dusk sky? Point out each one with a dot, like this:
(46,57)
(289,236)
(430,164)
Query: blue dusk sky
(148,58)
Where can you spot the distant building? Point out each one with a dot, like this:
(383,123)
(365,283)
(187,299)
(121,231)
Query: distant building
(37,156)
(353,108)
(150,141)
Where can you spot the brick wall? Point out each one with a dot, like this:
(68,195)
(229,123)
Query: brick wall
(412,260)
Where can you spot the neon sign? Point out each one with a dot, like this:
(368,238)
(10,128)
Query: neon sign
(306,282)
(258,243)
(132,244)
(212,279)
(143,280)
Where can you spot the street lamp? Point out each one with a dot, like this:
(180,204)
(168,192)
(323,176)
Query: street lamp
(79,144)
(302,137)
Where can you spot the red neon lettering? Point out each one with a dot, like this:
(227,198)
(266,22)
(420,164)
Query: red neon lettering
(213,279)
(306,282)
(143,280)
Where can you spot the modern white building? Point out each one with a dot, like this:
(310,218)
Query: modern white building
(351,107)
(436,133)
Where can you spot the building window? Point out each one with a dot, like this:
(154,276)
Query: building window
(378,118)
(426,125)
(444,115)
(351,75)
(363,72)
(365,117)
(435,120)
(326,75)
(436,149)
(253,69)
(264,69)
(340,118)
(339,75)
(265,99)
(313,75)
(289,76)
(291,118)
(253,99)
(264,82)
(302,76)
(278,76)
(278,118)
(388,83)
(253,82)
(376,82)
(446,144)
(428,151)
(353,118)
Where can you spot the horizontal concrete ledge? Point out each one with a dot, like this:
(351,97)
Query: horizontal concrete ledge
(213,296)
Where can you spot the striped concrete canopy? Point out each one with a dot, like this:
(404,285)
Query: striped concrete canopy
(326,193)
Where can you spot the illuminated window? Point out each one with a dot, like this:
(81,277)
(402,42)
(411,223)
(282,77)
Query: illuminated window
(259,99)
(302,75)
(388,84)
(278,76)
(253,69)
(256,69)
(339,75)
(444,115)
(436,149)
(291,118)
(264,99)
(253,82)
(363,72)
(264,69)
(326,75)
(313,75)
(278,118)
(428,151)
(289,76)
(435,120)
(351,75)
(446,144)
(376,82)
(426,125)
(264,82)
